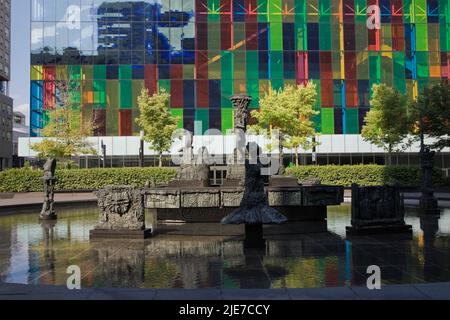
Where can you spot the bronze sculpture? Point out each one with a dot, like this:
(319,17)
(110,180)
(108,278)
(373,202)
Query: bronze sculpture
(49,178)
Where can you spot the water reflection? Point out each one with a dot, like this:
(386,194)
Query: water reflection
(39,253)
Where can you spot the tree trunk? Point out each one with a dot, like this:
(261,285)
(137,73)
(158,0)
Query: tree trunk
(160,160)
(296,157)
(389,155)
(281,154)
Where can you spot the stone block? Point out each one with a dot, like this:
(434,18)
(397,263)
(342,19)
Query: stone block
(162,199)
(322,196)
(231,198)
(287,197)
(201,198)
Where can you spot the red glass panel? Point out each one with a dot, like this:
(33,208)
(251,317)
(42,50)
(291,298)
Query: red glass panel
(176,93)
(226,25)
(398,40)
(151,78)
(351,93)
(302,67)
(202,88)
(201,64)
(125,124)
(350,65)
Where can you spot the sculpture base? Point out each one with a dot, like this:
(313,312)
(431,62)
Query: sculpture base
(254,236)
(120,234)
(379,230)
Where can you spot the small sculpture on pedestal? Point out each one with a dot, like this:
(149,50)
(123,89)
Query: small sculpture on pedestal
(49,178)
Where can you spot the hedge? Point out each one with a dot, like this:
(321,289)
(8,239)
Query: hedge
(28,180)
(365,175)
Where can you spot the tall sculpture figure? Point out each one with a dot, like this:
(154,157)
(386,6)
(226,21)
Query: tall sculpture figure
(49,178)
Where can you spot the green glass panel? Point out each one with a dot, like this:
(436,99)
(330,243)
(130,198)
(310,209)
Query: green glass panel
(227,120)
(262,10)
(227,83)
(99,72)
(179,114)
(325,36)
(360,11)
(352,121)
(99,87)
(327,116)
(213,10)
(324,11)
(227,87)
(164,85)
(126,95)
(239,36)
(112,113)
(407,11)
(214,32)
(374,66)
(422,65)
(421,37)
(87,72)
(74,72)
(399,71)
(276,36)
(276,65)
(125,72)
(386,70)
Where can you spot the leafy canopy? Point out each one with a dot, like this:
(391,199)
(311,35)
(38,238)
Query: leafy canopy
(66,130)
(290,111)
(156,120)
(387,123)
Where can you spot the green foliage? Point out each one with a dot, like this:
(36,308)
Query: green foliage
(364,175)
(387,123)
(156,121)
(28,180)
(290,111)
(66,130)
(433,107)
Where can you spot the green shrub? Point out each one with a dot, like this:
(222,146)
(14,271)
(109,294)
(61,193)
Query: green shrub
(28,180)
(364,175)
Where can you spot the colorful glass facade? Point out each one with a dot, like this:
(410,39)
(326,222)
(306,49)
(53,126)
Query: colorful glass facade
(204,51)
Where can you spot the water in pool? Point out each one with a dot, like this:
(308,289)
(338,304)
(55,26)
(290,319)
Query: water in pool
(34,253)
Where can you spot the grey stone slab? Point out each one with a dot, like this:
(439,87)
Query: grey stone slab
(188,294)
(337,293)
(394,292)
(202,198)
(255,294)
(281,198)
(436,291)
(162,199)
(123,294)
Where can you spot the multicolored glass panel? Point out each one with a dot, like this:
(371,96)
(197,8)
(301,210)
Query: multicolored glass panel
(204,51)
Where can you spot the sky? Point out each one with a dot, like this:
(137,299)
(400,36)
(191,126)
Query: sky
(19,87)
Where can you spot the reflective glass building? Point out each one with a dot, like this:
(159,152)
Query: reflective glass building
(204,51)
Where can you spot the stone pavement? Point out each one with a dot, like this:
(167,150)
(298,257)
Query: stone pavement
(424,291)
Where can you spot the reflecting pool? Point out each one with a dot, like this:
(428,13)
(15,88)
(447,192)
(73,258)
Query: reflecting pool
(34,253)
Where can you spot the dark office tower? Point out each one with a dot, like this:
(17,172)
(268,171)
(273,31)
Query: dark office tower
(204,51)
(6,103)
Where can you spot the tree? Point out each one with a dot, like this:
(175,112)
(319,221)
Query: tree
(156,121)
(66,130)
(289,111)
(387,123)
(431,114)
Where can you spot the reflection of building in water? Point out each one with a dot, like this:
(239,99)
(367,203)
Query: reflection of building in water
(49,258)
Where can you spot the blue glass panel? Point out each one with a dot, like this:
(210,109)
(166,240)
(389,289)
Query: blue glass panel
(164,71)
(214,95)
(314,65)
(189,95)
(138,72)
(289,64)
(313,36)
(112,72)
(289,36)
